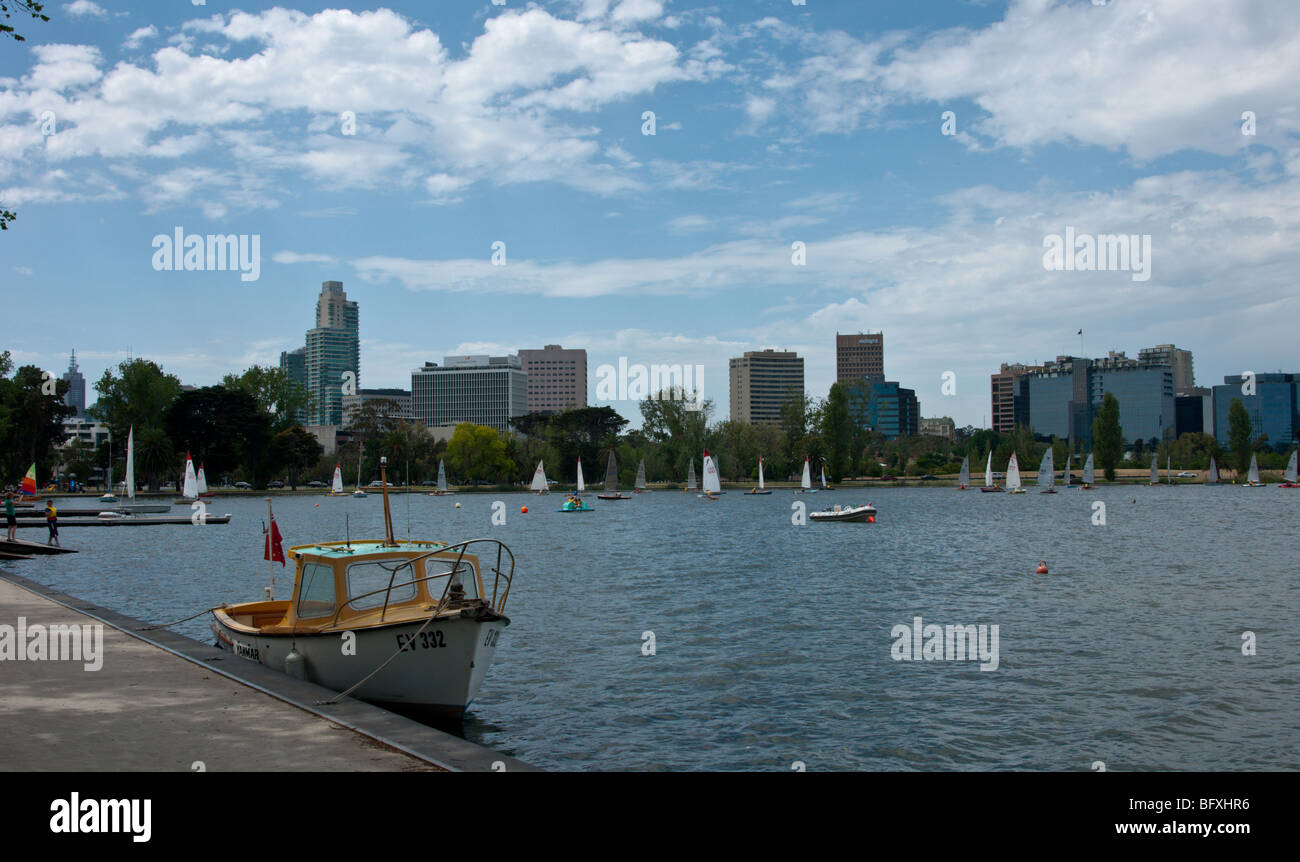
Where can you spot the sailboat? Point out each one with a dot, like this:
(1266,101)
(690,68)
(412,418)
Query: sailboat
(582,486)
(1013,476)
(1155,470)
(638,487)
(963,477)
(539,485)
(110,497)
(575,503)
(988,485)
(611,481)
(805,481)
(442,481)
(130,507)
(1047,473)
(760,489)
(1088,474)
(358,493)
(201,482)
(28,487)
(336,486)
(1290,475)
(190,484)
(1252,478)
(1214,473)
(712,486)
(690,477)
(825,487)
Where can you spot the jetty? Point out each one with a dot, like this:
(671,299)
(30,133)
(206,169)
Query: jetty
(23,549)
(159,701)
(123,521)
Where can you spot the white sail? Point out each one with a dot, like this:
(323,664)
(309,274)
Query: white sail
(1291,465)
(201,481)
(1155,470)
(711,483)
(336,487)
(988,471)
(806,481)
(130,464)
(358,491)
(1214,471)
(640,477)
(539,479)
(963,478)
(1088,473)
(1013,473)
(690,477)
(190,490)
(442,475)
(823,475)
(1047,470)
(581,485)
(760,471)
(1253,476)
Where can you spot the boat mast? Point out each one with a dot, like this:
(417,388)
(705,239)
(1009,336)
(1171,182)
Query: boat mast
(388,516)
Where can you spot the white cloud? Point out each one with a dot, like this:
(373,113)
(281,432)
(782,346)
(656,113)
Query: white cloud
(292,257)
(137,37)
(82,8)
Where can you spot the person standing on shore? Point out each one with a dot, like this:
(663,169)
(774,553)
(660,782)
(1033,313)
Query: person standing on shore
(52,521)
(11,516)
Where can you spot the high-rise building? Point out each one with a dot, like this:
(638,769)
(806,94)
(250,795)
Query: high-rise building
(76,395)
(885,407)
(557,378)
(1179,360)
(1273,406)
(294,365)
(484,390)
(761,382)
(1064,397)
(1009,407)
(859,356)
(333,354)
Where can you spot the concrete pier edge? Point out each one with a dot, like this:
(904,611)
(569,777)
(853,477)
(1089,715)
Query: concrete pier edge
(420,741)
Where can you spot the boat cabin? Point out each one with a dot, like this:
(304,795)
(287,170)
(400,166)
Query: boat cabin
(350,585)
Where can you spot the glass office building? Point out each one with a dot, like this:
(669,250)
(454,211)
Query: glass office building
(885,407)
(1274,407)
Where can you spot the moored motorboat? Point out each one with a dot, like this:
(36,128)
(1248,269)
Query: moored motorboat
(411,626)
(845,513)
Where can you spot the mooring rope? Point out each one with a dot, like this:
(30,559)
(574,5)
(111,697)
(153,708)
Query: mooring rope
(182,619)
(339,697)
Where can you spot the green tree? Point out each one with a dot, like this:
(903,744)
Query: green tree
(1240,435)
(137,396)
(294,449)
(221,428)
(478,452)
(32,413)
(837,432)
(275,393)
(1107,437)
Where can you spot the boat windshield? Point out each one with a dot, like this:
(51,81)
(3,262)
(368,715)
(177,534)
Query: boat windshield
(466,576)
(316,596)
(373,578)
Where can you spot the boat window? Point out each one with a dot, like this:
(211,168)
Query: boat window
(437,568)
(316,595)
(368,577)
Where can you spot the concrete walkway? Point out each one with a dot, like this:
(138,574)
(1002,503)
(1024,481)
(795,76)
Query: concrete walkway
(149,708)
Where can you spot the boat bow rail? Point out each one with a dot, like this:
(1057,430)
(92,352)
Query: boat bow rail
(502,577)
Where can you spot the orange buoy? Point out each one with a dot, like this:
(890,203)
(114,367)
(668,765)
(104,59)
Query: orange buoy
(871,519)
(524,509)
(1042,568)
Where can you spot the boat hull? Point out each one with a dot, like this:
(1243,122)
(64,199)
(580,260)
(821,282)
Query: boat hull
(436,675)
(860,513)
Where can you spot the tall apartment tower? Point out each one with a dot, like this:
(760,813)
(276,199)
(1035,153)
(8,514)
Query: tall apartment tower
(763,380)
(1009,407)
(1179,360)
(557,378)
(860,356)
(333,350)
(76,395)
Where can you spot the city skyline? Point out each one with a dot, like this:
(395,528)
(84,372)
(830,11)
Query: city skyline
(813,169)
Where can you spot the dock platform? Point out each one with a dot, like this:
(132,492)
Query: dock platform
(164,702)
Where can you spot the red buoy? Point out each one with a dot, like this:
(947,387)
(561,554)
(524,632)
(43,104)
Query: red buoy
(523,509)
(871,519)
(1042,568)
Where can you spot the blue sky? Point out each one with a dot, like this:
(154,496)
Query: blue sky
(775,124)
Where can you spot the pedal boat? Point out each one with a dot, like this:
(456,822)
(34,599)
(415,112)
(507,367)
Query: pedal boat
(425,618)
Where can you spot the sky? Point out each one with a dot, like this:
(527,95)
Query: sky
(922,154)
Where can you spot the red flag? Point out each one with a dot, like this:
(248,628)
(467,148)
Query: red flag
(274,547)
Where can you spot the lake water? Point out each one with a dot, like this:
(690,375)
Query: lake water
(773,641)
